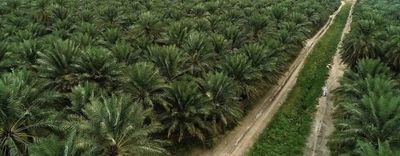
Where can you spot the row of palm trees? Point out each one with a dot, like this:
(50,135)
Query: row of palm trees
(124,77)
(375,33)
(368,109)
(367,119)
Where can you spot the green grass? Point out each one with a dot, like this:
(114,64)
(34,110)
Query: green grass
(286,134)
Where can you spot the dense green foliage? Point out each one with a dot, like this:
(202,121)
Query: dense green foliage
(367,119)
(288,130)
(124,77)
(368,109)
(375,33)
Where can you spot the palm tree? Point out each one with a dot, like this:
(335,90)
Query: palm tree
(239,67)
(146,85)
(5,62)
(53,146)
(367,106)
(218,42)
(43,15)
(24,112)
(264,60)
(201,57)
(169,59)
(149,26)
(84,40)
(57,65)
(369,112)
(297,31)
(177,34)
(256,23)
(98,65)
(117,126)
(234,35)
(60,12)
(278,13)
(111,16)
(361,43)
(223,94)
(393,52)
(369,149)
(375,118)
(124,52)
(27,52)
(369,75)
(186,118)
(80,97)
(111,36)
(283,43)
(88,28)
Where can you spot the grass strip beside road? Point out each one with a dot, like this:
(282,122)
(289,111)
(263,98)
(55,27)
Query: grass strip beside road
(288,131)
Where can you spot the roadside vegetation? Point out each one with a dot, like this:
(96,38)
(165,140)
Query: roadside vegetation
(286,134)
(123,77)
(367,119)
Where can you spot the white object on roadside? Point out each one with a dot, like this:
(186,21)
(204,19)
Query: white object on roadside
(324,91)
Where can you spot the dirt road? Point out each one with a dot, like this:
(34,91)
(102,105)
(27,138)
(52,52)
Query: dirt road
(323,126)
(238,141)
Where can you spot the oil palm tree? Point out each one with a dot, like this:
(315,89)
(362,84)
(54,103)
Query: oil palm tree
(169,59)
(57,65)
(53,146)
(27,52)
(373,119)
(369,149)
(186,118)
(177,34)
(256,23)
(393,52)
(88,28)
(98,65)
(24,112)
(278,13)
(124,52)
(201,57)
(118,126)
(5,62)
(80,97)
(223,94)
(264,60)
(111,16)
(239,67)
(218,42)
(234,35)
(148,25)
(369,75)
(146,85)
(111,36)
(367,106)
(361,43)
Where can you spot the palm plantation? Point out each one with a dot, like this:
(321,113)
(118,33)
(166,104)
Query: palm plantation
(126,77)
(367,119)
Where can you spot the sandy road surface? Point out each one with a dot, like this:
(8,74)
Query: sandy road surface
(238,141)
(323,126)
